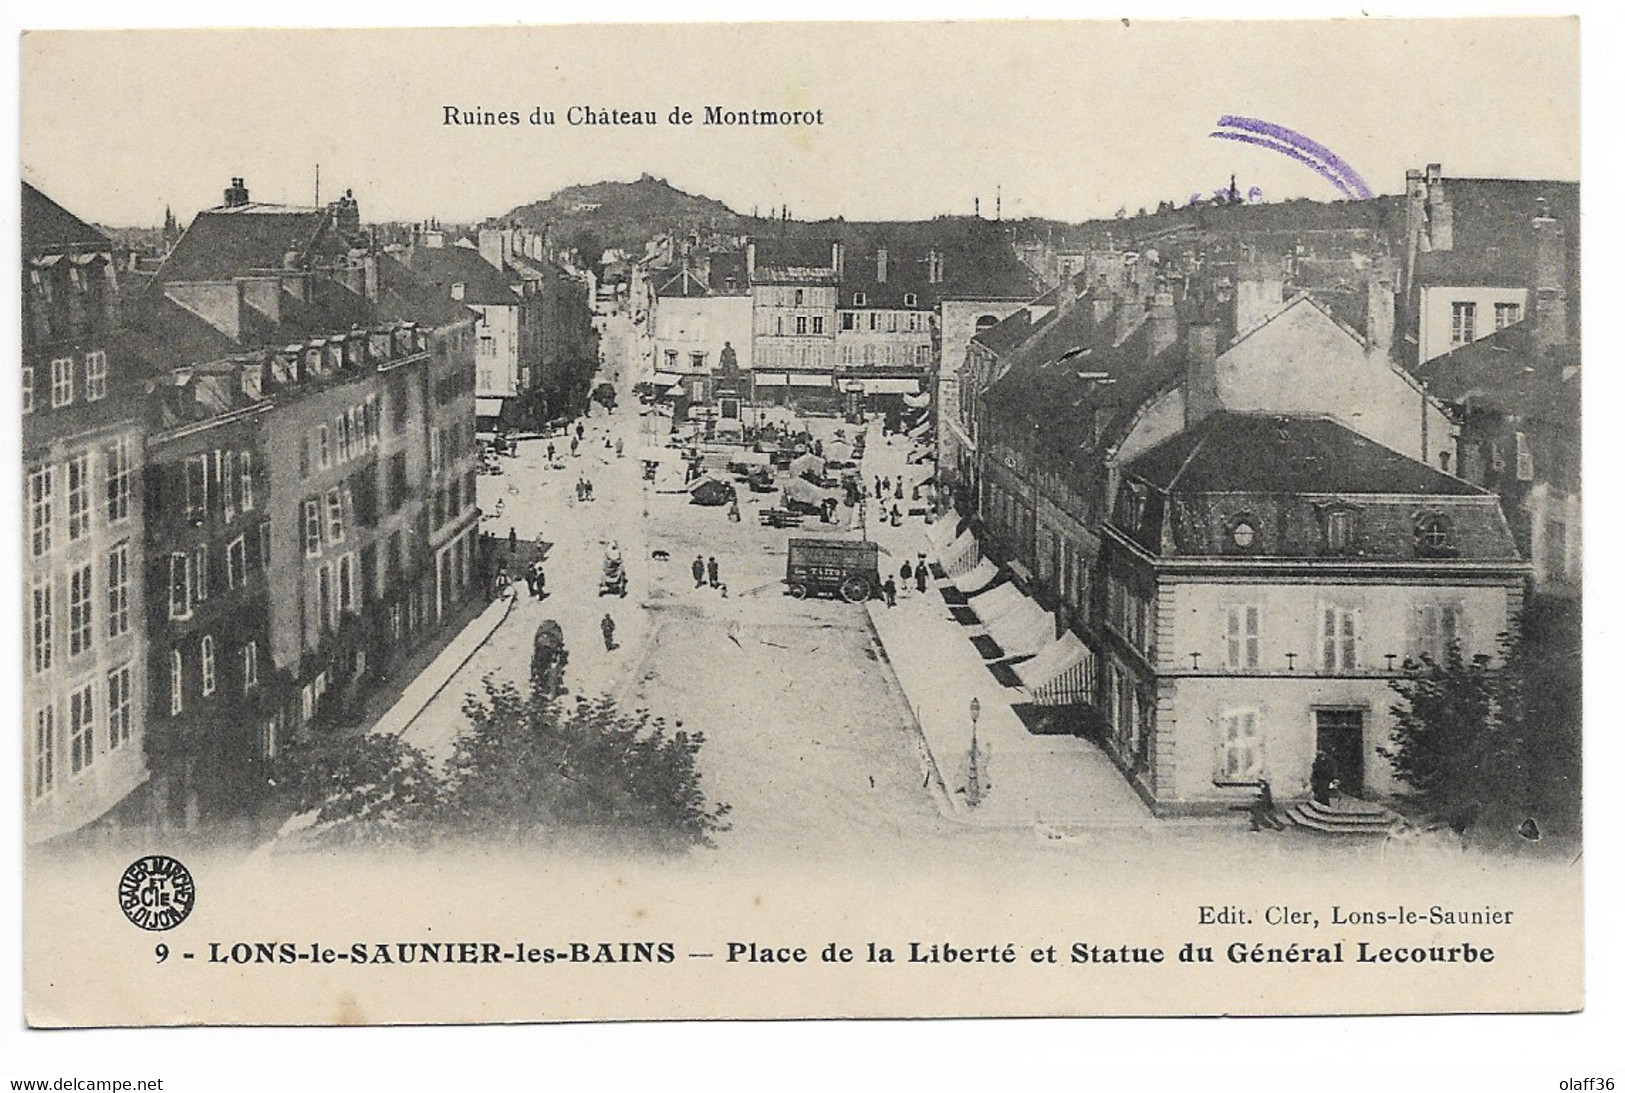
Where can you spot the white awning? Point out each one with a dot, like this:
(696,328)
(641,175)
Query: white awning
(917,401)
(977,577)
(997,602)
(810,379)
(941,533)
(960,555)
(1025,630)
(1063,661)
(666,379)
(487,407)
(771,379)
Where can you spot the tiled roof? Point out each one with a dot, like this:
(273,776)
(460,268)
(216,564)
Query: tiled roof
(49,227)
(1506,370)
(236,240)
(404,295)
(442,267)
(1271,453)
(1279,474)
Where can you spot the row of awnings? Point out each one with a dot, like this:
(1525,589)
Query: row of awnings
(889,385)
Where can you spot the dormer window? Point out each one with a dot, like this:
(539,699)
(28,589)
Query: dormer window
(459,289)
(1435,535)
(910,300)
(1241,533)
(1134,505)
(1339,525)
(860,299)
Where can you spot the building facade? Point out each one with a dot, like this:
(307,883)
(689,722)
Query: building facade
(84,674)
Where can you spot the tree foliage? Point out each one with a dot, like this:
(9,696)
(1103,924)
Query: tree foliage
(527,768)
(1470,737)
(366,789)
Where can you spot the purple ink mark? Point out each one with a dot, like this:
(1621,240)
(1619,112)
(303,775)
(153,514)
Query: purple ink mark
(1295,145)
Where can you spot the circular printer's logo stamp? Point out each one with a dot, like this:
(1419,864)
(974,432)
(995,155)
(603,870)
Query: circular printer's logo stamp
(156,892)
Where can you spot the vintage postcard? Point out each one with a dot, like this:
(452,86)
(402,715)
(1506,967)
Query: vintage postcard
(777,521)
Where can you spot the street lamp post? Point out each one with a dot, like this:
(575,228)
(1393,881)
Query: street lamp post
(973,792)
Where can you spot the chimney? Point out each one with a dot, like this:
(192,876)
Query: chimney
(880,266)
(1258,291)
(1162,324)
(236,194)
(1103,302)
(1379,313)
(1549,290)
(1066,296)
(493,249)
(750,261)
(837,256)
(1440,220)
(1129,312)
(1201,370)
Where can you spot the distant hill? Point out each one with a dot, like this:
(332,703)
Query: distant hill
(627,214)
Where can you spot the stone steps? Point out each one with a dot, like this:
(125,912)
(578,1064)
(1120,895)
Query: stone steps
(1345,816)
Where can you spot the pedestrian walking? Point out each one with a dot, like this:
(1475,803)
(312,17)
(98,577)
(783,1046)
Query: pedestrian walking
(919,574)
(906,573)
(877,486)
(581,431)
(890,589)
(899,493)
(550,451)
(608,627)
(711,572)
(587,485)
(698,569)
(896,517)
(620,448)
(530,580)
(513,539)
(539,580)
(575,443)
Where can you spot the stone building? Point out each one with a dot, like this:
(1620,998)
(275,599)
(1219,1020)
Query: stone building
(84,674)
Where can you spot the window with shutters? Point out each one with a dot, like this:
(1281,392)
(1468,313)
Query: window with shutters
(62,382)
(251,666)
(118,590)
(225,474)
(116,457)
(79,611)
(95,375)
(324,448)
(78,471)
(180,586)
(197,488)
(177,683)
(44,750)
(40,513)
(236,563)
(1463,322)
(206,664)
(1241,636)
(44,632)
(119,716)
(313,528)
(1241,749)
(81,729)
(335,516)
(1438,627)
(200,574)
(28,389)
(1339,639)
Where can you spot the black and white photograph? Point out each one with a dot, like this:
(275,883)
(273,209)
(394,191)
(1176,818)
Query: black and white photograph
(760,520)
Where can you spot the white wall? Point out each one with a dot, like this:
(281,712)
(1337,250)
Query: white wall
(702,324)
(1434,325)
(1302,362)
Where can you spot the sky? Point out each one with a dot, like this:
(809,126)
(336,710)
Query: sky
(1067,120)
